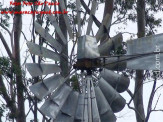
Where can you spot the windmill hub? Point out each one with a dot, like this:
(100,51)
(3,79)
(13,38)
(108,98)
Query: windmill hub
(87,53)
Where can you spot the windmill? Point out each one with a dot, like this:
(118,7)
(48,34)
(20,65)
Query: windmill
(98,96)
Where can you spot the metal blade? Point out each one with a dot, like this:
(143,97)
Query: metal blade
(110,44)
(48,37)
(61,117)
(105,24)
(106,114)
(52,106)
(115,63)
(42,89)
(42,69)
(146,45)
(78,16)
(62,5)
(70,105)
(43,52)
(80,108)
(118,82)
(55,24)
(93,10)
(95,112)
(116,101)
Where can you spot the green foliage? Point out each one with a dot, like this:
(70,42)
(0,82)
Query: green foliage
(127,10)
(4,18)
(5,66)
(74,81)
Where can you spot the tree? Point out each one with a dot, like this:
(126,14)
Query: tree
(17,110)
(12,74)
(138,99)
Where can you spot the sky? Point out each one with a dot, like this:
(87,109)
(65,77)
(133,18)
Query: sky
(126,115)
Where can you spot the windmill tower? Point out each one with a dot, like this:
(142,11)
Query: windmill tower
(97,98)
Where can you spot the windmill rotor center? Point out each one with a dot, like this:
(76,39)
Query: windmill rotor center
(87,54)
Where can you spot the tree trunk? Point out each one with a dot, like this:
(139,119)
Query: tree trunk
(109,5)
(138,99)
(17,64)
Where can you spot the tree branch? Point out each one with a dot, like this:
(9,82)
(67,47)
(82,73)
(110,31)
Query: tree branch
(5,28)
(6,97)
(5,45)
(97,22)
(150,101)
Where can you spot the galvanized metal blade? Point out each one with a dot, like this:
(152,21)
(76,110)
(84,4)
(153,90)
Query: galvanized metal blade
(95,111)
(61,117)
(68,110)
(105,111)
(42,69)
(69,107)
(81,106)
(66,19)
(105,24)
(146,45)
(43,52)
(48,37)
(52,106)
(119,82)
(78,16)
(115,63)
(55,24)
(79,116)
(116,101)
(111,44)
(90,22)
(47,86)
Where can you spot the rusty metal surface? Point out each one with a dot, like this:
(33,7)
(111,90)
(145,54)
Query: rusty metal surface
(145,45)
(115,63)
(87,48)
(86,64)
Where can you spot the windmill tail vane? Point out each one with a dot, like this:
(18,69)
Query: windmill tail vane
(97,98)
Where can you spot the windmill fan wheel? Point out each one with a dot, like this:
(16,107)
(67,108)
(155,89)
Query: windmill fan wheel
(97,97)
